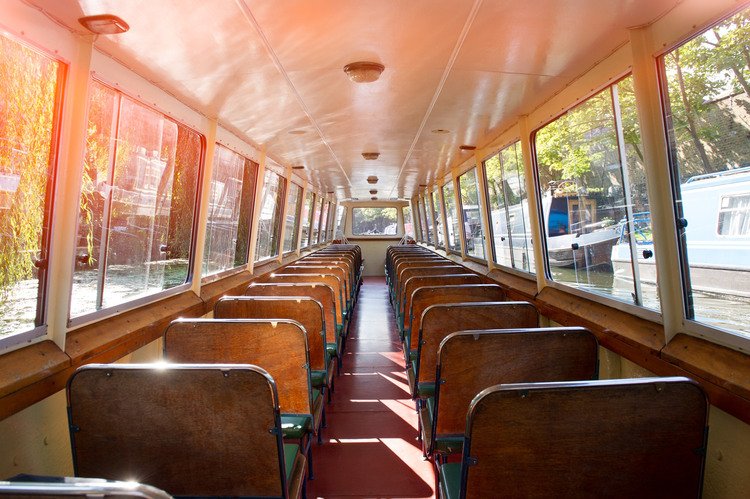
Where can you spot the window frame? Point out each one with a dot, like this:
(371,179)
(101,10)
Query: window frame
(397,235)
(297,217)
(477,179)
(448,248)
(279,216)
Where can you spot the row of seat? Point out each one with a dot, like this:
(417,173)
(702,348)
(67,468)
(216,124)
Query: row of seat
(235,407)
(510,408)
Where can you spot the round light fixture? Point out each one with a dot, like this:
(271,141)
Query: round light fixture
(104,24)
(467,147)
(370,156)
(441,131)
(297,132)
(372,179)
(363,71)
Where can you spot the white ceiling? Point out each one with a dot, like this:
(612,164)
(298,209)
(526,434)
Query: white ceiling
(265,68)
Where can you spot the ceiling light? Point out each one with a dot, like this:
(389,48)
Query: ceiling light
(298,167)
(374,198)
(467,148)
(363,71)
(374,191)
(372,179)
(441,131)
(104,24)
(297,132)
(370,155)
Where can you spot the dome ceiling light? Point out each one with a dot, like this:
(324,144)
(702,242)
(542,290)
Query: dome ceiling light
(372,179)
(363,71)
(467,148)
(298,167)
(370,156)
(104,24)
(374,191)
(440,131)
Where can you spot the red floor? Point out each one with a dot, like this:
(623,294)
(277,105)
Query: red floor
(370,447)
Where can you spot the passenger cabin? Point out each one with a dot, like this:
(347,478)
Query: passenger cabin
(378,180)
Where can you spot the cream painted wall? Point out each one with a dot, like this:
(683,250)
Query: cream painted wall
(36,440)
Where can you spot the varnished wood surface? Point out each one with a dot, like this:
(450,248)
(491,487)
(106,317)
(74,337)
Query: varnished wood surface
(619,438)
(328,279)
(279,347)
(322,293)
(425,297)
(422,280)
(196,432)
(438,321)
(321,269)
(409,272)
(469,362)
(303,309)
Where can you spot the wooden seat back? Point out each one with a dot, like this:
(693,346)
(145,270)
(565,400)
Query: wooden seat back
(345,262)
(422,298)
(303,309)
(470,361)
(322,269)
(438,321)
(322,293)
(328,279)
(431,278)
(410,271)
(615,438)
(198,430)
(278,346)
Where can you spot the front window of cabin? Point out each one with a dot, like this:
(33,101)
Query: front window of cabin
(472,215)
(306,217)
(137,206)
(437,210)
(269,220)
(451,217)
(29,109)
(408,222)
(509,209)
(706,83)
(429,214)
(593,194)
(230,209)
(294,206)
(375,221)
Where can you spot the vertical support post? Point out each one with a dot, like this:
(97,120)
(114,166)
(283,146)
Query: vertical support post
(484,208)
(537,234)
(658,179)
(284,211)
(443,217)
(205,197)
(298,236)
(459,213)
(257,208)
(67,191)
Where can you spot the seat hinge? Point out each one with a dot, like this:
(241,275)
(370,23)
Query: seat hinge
(471,461)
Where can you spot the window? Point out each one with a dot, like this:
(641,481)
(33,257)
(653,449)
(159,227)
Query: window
(324,222)
(408,223)
(331,220)
(449,199)
(437,211)
(509,209)
(340,221)
(229,210)
(316,221)
(292,218)
(707,95)
(593,195)
(374,222)
(269,220)
(29,109)
(472,215)
(429,214)
(137,205)
(423,232)
(306,217)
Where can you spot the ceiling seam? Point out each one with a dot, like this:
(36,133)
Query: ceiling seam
(441,84)
(274,58)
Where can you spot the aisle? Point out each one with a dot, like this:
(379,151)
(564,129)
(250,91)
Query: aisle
(370,448)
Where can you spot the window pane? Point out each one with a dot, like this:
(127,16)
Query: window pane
(429,213)
(28,88)
(324,223)
(292,217)
(454,243)
(340,221)
(437,210)
(374,222)
(509,209)
(423,233)
(269,222)
(408,223)
(232,183)
(316,221)
(331,220)
(708,97)
(306,216)
(472,215)
(137,203)
(590,204)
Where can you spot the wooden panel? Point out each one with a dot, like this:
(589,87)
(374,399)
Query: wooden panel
(337,271)
(429,279)
(29,365)
(438,321)
(469,362)
(190,431)
(234,284)
(321,293)
(279,347)
(305,310)
(425,297)
(327,279)
(408,272)
(618,438)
